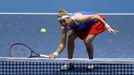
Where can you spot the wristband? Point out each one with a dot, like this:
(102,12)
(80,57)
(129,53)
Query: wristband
(107,26)
(56,53)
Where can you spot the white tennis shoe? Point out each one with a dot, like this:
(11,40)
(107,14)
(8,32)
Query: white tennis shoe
(67,67)
(90,67)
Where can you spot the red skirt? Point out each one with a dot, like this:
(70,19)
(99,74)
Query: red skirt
(95,29)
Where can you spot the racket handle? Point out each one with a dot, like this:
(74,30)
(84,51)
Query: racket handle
(42,55)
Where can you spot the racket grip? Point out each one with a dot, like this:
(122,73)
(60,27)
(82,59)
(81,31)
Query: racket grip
(42,55)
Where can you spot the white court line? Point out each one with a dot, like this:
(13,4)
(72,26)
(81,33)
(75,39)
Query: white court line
(74,60)
(34,13)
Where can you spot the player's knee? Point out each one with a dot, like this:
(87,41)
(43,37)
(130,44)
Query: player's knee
(88,42)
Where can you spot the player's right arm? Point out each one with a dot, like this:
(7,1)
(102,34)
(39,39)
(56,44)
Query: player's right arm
(62,43)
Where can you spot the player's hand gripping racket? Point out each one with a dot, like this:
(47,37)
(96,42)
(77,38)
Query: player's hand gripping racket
(22,50)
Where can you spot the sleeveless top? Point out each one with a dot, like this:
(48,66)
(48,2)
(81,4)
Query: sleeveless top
(84,25)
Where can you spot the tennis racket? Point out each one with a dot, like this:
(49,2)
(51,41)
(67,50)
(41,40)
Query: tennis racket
(22,50)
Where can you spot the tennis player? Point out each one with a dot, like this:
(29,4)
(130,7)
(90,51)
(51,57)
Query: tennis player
(85,25)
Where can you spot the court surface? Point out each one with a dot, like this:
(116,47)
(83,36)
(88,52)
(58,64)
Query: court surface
(25,28)
(113,54)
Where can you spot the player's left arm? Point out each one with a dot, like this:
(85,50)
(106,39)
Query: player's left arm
(85,18)
(109,28)
(91,17)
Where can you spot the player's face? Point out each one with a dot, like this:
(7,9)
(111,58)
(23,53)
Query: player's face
(66,22)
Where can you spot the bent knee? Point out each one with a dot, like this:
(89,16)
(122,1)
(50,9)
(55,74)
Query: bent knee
(89,39)
(88,42)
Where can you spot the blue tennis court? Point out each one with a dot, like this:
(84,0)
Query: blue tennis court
(21,21)
(25,28)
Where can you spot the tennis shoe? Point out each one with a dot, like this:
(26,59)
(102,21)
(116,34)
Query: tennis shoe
(67,67)
(90,67)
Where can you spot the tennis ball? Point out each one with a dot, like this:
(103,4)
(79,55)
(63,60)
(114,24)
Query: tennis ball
(43,30)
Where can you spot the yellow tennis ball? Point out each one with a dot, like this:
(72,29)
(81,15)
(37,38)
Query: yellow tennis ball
(43,30)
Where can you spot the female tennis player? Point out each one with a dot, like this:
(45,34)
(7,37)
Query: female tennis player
(85,25)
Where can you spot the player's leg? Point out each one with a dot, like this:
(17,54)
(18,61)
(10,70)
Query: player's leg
(70,44)
(70,49)
(88,43)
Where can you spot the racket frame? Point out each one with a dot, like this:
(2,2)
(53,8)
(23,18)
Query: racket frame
(10,48)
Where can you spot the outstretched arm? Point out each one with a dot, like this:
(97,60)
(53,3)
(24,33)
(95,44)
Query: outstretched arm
(85,18)
(61,44)
(110,30)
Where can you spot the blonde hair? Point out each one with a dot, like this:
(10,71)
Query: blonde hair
(62,12)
